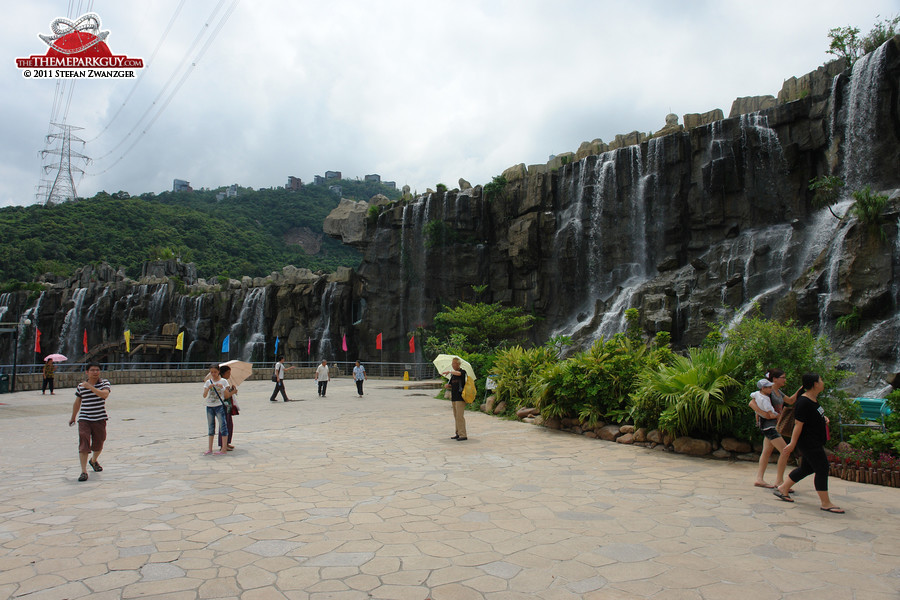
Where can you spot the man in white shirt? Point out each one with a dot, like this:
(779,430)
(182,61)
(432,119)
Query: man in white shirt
(322,377)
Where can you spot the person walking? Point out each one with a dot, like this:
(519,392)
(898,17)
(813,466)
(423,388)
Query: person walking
(322,377)
(278,378)
(778,401)
(809,436)
(215,391)
(49,372)
(455,385)
(89,410)
(359,375)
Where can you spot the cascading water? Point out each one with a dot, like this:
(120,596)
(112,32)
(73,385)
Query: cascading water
(4,305)
(326,348)
(70,336)
(250,326)
(860,121)
(157,304)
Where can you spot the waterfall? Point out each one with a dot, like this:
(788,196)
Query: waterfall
(250,326)
(324,333)
(188,318)
(70,339)
(860,122)
(157,303)
(834,256)
(4,304)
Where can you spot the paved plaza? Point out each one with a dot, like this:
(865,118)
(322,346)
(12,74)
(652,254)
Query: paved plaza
(348,498)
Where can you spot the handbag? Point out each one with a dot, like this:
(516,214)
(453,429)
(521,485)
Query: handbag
(785,425)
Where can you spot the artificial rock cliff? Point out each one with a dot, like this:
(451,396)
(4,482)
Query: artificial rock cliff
(696,224)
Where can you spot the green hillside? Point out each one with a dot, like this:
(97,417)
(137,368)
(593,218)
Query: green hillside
(243,235)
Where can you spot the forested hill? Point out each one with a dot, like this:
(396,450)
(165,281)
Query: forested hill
(251,234)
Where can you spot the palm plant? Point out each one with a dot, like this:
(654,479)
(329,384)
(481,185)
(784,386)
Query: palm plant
(690,394)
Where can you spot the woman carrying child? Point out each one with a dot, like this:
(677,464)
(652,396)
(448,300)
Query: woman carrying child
(777,400)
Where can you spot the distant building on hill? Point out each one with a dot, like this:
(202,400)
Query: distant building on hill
(329,175)
(374,177)
(336,190)
(180,185)
(294,183)
(230,192)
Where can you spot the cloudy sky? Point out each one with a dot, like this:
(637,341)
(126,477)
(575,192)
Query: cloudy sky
(419,91)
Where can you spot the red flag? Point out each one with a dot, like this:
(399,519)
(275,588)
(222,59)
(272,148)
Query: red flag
(412,345)
(344,343)
(85,341)
(37,341)
(308,346)
(378,342)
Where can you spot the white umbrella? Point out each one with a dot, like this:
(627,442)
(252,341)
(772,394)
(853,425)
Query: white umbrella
(443,363)
(240,370)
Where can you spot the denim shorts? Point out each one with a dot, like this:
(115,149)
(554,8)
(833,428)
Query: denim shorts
(771,433)
(213,413)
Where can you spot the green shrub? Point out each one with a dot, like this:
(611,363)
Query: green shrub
(690,394)
(876,441)
(441,188)
(868,208)
(515,370)
(493,189)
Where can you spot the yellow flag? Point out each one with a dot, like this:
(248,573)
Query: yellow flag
(179,343)
(128,340)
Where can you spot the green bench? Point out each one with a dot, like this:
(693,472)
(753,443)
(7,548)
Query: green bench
(873,410)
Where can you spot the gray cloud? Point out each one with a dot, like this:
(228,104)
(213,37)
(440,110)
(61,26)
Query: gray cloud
(420,92)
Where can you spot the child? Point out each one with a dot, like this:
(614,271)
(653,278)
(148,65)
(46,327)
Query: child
(767,418)
(216,391)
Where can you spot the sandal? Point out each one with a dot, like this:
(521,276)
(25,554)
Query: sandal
(833,509)
(782,497)
(95,465)
(82,477)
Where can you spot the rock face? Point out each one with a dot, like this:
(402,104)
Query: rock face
(578,242)
(692,226)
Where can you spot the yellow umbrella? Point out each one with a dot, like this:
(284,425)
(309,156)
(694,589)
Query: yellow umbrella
(443,363)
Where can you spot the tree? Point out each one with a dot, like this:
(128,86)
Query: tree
(483,327)
(826,191)
(846,43)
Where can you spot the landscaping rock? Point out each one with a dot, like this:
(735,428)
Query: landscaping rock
(526,411)
(655,436)
(640,435)
(720,453)
(627,428)
(691,446)
(552,423)
(627,438)
(749,457)
(500,408)
(590,434)
(734,445)
(609,433)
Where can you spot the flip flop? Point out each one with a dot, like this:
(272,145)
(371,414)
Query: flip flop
(782,497)
(768,486)
(834,509)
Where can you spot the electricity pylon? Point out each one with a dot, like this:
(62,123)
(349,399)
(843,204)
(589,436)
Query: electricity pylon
(63,187)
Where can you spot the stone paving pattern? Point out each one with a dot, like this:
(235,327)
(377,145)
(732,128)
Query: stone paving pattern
(347,498)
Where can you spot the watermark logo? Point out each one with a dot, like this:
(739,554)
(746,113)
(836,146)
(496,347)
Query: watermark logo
(77,49)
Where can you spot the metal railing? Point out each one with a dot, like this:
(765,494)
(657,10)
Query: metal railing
(339,368)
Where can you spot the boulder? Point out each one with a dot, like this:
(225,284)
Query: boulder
(691,446)
(721,453)
(640,435)
(464,185)
(609,433)
(655,436)
(734,445)
(500,408)
(627,438)
(751,104)
(526,411)
(347,222)
(627,428)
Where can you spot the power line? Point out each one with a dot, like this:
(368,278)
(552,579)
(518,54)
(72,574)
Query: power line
(162,92)
(147,64)
(181,82)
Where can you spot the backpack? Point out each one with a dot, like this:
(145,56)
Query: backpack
(468,392)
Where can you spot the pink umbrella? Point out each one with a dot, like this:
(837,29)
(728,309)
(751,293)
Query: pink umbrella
(55,358)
